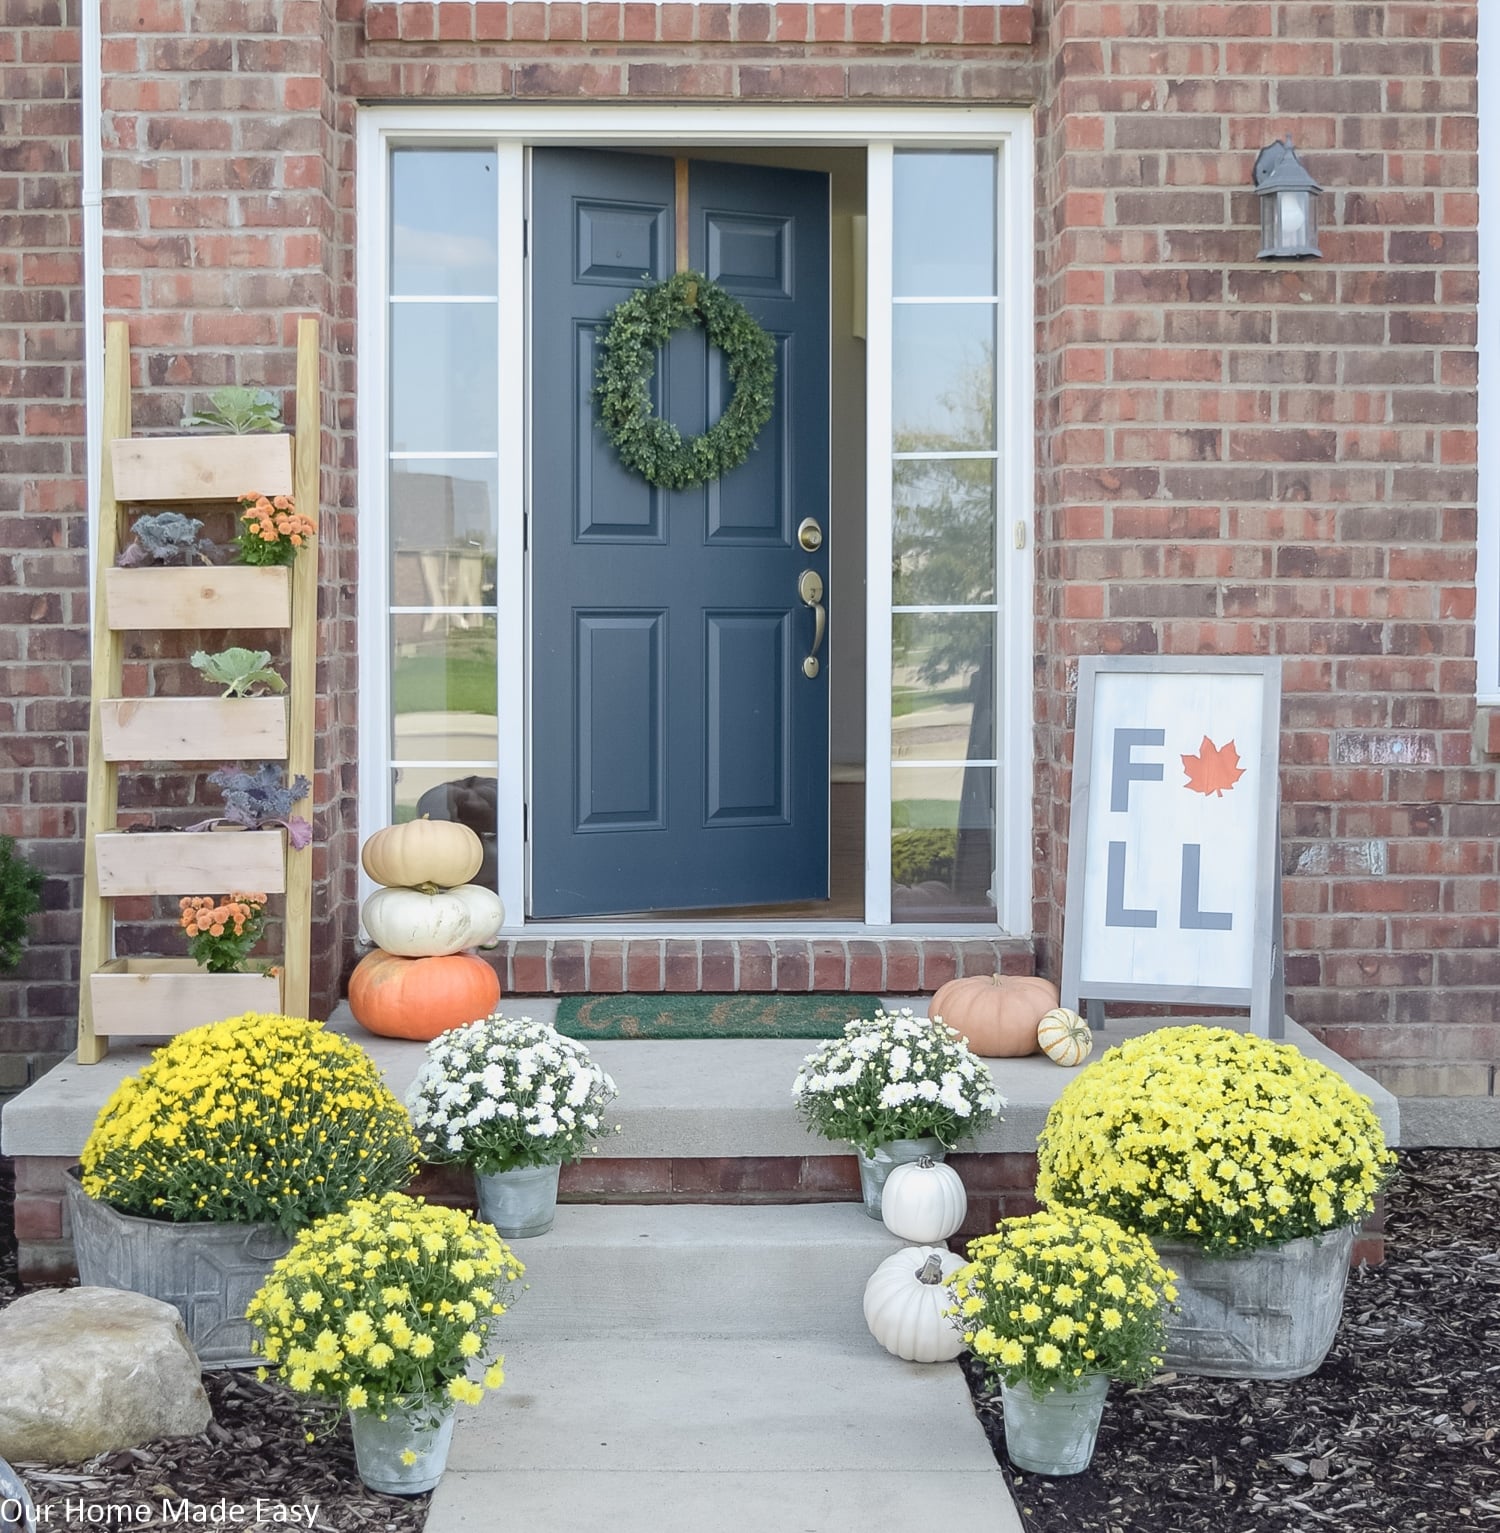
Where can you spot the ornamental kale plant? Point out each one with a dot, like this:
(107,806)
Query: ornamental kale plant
(20,899)
(239,411)
(261,798)
(167,538)
(241,672)
(897,1076)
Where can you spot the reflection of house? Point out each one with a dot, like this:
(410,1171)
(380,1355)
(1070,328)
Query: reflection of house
(442,537)
(1169,447)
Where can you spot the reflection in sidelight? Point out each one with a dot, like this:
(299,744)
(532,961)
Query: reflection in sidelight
(444,378)
(944,532)
(945,224)
(443,687)
(442,533)
(943,686)
(943,361)
(444,221)
(943,843)
(946,562)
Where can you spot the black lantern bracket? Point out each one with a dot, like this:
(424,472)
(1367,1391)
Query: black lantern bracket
(1288,205)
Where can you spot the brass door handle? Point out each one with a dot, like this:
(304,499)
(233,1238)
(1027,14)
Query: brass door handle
(810,589)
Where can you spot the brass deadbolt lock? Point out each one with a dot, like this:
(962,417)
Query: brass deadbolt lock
(810,535)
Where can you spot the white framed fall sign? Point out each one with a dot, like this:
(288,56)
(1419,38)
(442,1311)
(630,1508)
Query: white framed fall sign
(1174,874)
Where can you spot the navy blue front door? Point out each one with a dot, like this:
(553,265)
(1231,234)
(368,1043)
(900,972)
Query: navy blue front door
(679,750)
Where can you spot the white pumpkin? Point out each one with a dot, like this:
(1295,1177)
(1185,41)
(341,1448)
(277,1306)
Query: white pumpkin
(1064,1037)
(905,1301)
(923,1201)
(414,924)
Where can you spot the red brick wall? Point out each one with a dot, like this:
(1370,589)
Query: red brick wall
(43,637)
(1279,458)
(1232,454)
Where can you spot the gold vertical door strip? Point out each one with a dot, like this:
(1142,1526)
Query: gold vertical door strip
(682,214)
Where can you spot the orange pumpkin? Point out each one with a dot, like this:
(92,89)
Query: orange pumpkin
(421,997)
(996,1013)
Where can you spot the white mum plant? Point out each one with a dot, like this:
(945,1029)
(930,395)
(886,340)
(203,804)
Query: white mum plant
(499,1094)
(896,1076)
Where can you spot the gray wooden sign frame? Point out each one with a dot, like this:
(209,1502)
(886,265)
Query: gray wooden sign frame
(1266,996)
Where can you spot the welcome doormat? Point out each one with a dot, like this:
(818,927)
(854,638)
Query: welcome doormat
(710,1016)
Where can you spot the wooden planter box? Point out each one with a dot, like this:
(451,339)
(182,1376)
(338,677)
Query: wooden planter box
(200,862)
(193,728)
(229,596)
(153,468)
(161,997)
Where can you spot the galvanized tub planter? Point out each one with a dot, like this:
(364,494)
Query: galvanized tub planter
(381,1447)
(1267,1314)
(1053,1432)
(207,1272)
(884,1158)
(518,1203)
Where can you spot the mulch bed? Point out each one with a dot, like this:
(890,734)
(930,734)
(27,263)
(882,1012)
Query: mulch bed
(1399,1430)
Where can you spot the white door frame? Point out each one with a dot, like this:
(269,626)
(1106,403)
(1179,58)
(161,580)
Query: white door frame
(880,131)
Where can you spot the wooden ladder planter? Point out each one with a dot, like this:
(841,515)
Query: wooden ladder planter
(155,997)
(168,862)
(161,997)
(229,596)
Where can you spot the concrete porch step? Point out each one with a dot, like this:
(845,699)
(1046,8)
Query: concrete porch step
(681,1369)
(674,1269)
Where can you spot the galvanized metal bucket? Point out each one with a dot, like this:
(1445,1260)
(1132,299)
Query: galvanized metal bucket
(207,1272)
(1053,1432)
(380,1449)
(1268,1314)
(519,1203)
(884,1158)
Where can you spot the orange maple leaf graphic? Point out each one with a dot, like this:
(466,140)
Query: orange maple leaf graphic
(1215,769)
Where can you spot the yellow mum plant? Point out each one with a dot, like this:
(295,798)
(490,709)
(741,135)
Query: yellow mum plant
(389,1305)
(260,1119)
(1051,1298)
(1222,1139)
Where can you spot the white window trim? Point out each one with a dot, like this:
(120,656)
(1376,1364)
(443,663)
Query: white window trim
(879,130)
(1487,565)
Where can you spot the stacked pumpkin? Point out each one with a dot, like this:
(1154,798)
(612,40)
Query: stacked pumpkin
(423,979)
(907,1298)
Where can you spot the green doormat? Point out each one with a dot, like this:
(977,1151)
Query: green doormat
(710,1016)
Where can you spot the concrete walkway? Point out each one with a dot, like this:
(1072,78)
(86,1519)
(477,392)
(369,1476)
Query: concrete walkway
(690,1369)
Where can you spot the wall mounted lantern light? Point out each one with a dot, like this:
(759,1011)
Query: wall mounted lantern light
(1288,204)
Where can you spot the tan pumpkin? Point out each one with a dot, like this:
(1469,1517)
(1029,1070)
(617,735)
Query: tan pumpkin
(1064,1037)
(440,853)
(421,997)
(996,1013)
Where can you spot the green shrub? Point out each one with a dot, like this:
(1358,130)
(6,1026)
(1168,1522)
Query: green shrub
(918,856)
(20,899)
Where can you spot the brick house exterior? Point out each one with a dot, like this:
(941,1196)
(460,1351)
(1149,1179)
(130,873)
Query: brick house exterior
(1232,455)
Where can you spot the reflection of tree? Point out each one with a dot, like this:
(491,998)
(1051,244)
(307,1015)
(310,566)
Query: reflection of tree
(945,555)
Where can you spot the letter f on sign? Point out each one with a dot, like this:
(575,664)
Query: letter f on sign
(1124,771)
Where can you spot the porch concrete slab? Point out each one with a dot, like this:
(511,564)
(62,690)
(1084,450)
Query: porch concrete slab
(713,1404)
(664,1269)
(811,1501)
(702,1098)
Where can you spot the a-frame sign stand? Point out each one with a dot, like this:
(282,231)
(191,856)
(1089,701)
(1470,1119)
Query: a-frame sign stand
(1174,886)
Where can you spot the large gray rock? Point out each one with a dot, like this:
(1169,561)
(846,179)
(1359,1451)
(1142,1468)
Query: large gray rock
(89,1370)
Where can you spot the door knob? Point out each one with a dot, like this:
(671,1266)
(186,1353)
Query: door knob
(809,534)
(810,589)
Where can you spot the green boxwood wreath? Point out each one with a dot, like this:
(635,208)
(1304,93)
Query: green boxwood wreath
(652,447)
